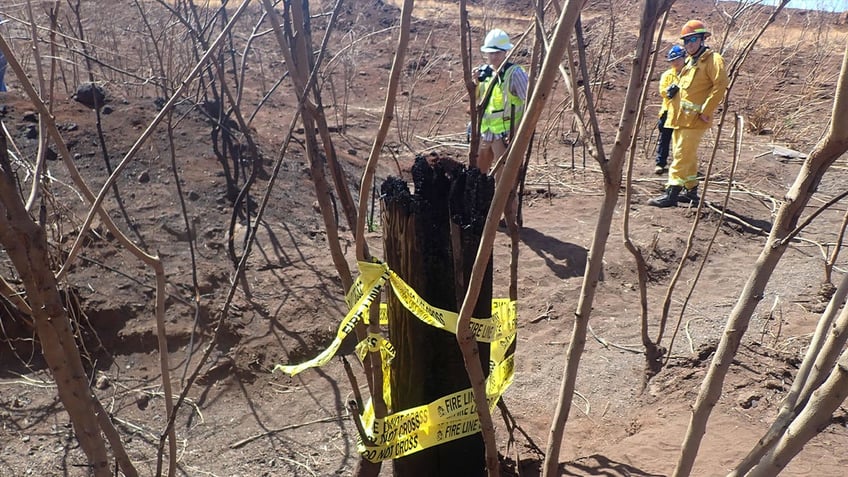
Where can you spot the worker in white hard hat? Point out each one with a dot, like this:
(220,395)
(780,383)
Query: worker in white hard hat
(503,108)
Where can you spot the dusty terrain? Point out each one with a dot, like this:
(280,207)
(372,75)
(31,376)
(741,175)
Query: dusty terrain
(300,425)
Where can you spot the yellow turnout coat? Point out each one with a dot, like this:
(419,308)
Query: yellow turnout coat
(703,82)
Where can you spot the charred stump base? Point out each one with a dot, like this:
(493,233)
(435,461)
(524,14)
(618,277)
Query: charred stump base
(431,238)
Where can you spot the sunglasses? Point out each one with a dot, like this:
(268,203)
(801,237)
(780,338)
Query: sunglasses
(691,39)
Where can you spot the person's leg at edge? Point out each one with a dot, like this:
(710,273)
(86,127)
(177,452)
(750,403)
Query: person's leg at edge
(2,73)
(511,207)
(498,150)
(674,184)
(663,145)
(485,156)
(685,170)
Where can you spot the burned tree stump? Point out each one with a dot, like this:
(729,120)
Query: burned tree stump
(431,238)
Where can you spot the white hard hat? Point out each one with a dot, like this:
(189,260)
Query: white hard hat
(496,40)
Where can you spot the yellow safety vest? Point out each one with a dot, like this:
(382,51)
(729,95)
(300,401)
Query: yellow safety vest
(496,116)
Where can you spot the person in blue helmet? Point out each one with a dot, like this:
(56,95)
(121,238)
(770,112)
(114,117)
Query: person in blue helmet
(676,56)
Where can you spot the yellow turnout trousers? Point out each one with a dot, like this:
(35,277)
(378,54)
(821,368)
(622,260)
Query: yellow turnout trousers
(684,166)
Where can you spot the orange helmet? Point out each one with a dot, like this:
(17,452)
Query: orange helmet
(694,27)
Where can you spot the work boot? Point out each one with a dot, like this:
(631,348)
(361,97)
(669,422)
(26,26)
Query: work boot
(689,196)
(669,199)
(660,169)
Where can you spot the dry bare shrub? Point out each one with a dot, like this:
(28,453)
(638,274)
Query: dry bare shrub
(790,84)
(760,119)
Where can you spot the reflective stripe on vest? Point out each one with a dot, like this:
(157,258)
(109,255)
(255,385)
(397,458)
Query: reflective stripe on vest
(691,107)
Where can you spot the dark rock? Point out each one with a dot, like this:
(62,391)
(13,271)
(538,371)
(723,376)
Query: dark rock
(142,400)
(144,177)
(90,95)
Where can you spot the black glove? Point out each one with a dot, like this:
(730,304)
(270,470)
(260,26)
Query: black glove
(484,72)
(672,90)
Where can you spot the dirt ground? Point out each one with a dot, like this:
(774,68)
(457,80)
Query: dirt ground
(243,420)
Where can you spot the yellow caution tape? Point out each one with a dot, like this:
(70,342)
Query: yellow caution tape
(376,343)
(487,330)
(366,287)
(369,284)
(369,274)
(448,418)
(484,329)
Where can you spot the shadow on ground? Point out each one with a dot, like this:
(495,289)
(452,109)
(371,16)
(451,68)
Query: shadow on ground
(592,465)
(566,260)
(597,464)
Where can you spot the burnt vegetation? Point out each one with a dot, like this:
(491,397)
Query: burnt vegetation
(187,188)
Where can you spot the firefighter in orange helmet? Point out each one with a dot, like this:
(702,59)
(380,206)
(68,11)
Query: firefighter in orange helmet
(702,84)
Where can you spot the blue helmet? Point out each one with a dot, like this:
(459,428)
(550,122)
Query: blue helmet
(675,52)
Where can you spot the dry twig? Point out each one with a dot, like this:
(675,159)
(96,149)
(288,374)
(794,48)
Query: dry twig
(248,440)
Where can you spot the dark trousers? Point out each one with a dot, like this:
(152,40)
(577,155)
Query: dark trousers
(2,72)
(664,141)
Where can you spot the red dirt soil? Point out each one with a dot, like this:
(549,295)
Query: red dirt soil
(301,424)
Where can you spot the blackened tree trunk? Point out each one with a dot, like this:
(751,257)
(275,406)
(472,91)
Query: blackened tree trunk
(419,247)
